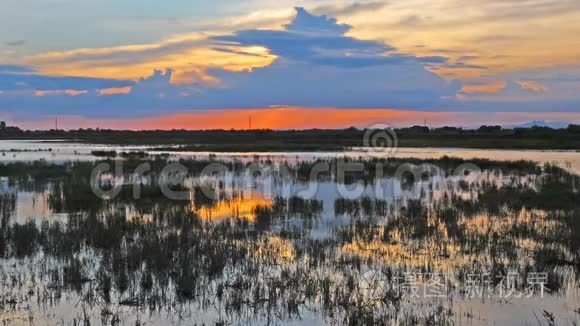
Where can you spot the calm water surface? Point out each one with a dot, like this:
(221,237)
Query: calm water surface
(63,151)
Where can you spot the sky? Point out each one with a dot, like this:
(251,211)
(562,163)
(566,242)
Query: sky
(287,64)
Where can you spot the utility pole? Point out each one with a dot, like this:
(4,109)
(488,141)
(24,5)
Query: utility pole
(56,123)
(250,122)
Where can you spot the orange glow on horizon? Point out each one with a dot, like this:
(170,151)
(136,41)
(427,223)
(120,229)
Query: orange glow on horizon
(297,118)
(283,118)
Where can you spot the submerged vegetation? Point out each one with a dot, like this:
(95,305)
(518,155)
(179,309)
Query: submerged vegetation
(248,255)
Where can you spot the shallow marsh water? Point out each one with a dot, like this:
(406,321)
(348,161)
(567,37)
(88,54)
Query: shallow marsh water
(268,249)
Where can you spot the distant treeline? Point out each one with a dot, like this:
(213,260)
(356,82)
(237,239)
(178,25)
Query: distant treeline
(316,139)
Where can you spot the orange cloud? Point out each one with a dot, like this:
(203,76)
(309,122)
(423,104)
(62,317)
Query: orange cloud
(115,90)
(489,88)
(495,35)
(499,36)
(69,92)
(533,86)
(189,56)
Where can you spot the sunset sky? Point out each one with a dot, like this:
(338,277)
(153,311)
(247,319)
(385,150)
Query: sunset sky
(288,64)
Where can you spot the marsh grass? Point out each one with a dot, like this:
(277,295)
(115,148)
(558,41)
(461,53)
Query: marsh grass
(161,261)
